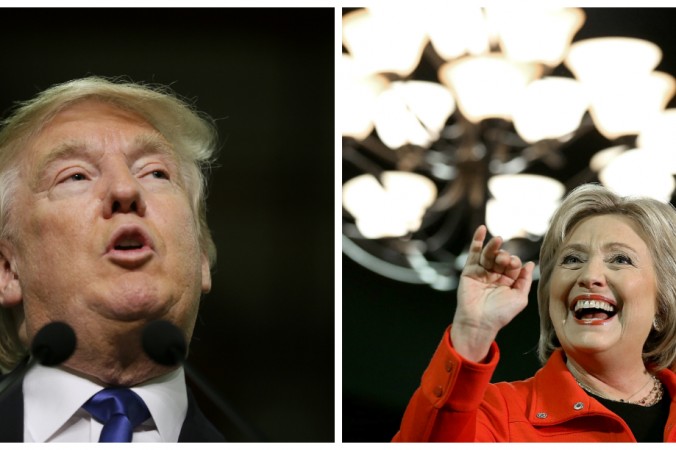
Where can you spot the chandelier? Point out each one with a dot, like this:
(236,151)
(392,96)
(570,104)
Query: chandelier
(453,116)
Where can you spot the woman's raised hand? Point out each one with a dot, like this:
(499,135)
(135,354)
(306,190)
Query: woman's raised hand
(493,289)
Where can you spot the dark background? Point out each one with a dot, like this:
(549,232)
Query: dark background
(391,329)
(265,335)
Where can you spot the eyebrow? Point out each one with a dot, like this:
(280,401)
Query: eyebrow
(143,145)
(609,246)
(151,143)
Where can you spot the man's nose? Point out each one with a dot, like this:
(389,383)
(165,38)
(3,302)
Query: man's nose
(593,274)
(124,194)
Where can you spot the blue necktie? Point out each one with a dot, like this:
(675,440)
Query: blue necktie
(120,410)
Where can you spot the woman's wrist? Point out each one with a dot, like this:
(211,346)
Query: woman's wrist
(472,343)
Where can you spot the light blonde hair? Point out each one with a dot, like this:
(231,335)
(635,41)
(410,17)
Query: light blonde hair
(191,134)
(655,222)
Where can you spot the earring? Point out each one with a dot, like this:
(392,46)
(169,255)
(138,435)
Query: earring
(656,325)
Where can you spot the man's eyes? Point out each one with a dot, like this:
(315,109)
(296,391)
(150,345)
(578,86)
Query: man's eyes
(77,177)
(160,174)
(72,176)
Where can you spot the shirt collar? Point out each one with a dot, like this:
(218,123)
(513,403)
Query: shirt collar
(53,395)
(167,401)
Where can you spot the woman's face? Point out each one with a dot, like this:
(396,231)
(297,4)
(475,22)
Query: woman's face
(603,293)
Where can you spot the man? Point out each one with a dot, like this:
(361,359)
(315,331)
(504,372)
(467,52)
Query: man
(103,227)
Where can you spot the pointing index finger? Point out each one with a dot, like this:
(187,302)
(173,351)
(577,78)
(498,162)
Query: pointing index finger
(476,245)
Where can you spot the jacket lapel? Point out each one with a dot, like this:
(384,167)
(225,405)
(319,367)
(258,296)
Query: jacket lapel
(11,413)
(196,427)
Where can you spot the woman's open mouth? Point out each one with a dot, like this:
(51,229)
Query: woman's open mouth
(593,309)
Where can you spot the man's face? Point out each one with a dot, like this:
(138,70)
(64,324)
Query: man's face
(105,232)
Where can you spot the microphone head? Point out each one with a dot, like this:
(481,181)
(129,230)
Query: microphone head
(53,344)
(164,343)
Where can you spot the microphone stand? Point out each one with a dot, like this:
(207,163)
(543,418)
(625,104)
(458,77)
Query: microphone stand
(203,385)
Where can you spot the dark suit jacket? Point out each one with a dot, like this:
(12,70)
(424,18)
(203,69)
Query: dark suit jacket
(196,427)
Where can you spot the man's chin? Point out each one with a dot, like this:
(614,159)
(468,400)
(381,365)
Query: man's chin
(132,297)
(131,308)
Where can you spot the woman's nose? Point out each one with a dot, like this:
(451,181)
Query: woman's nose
(593,274)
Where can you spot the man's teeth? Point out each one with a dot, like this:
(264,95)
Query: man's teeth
(594,304)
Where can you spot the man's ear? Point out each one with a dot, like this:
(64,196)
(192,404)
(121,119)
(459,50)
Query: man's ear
(206,274)
(10,289)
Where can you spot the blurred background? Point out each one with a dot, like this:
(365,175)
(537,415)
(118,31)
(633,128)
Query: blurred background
(264,338)
(453,116)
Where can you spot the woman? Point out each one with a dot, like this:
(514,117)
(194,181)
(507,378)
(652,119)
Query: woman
(607,301)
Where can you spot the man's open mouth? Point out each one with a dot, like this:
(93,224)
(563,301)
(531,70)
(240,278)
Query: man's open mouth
(130,247)
(130,242)
(129,238)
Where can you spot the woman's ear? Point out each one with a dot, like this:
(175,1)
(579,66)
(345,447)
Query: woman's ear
(10,289)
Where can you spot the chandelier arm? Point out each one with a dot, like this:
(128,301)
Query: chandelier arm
(378,265)
(453,192)
(411,157)
(500,130)
(547,151)
(452,219)
(374,146)
(444,157)
(352,155)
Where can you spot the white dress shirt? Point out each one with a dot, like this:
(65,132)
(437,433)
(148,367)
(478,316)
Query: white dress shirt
(53,412)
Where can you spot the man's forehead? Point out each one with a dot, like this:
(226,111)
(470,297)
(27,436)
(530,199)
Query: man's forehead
(133,146)
(92,108)
(93,127)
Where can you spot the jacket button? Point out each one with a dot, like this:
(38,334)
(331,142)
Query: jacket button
(578,406)
(449,366)
(438,391)
(541,415)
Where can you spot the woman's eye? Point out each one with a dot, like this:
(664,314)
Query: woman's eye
(570,259)
(621,259)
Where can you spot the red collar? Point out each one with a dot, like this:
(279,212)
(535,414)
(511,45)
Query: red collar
(557,398)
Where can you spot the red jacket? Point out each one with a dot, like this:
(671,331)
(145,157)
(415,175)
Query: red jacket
(457,403)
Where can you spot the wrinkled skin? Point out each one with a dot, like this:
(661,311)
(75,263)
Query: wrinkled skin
(91,172)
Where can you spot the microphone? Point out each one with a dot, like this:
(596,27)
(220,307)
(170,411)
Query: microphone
(165,344)
(52,345)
